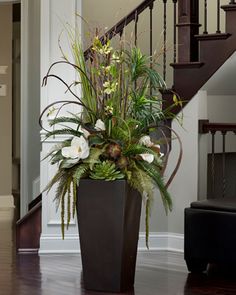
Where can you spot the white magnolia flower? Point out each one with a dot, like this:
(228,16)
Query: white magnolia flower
(79,149)
(84,131)
(146,140)
(147,157)
(100,126)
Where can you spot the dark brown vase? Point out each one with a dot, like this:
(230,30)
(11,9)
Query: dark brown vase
(108,217)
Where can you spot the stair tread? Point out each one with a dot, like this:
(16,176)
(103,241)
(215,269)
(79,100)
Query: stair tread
(229,7)
(196,64)
(215,36)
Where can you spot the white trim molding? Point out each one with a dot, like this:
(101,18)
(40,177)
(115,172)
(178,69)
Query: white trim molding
(163,241)
(6,202)
(24,107)
(53,244)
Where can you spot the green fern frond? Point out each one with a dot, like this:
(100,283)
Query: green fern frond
(74,197)
(140,181)
(68,203)
(59,120)
(137,149)
(65,131)
(56,178)
(147,221)
(157,178)
(62,201)
(120,134)
(80,172)
(61,187)
(94,155)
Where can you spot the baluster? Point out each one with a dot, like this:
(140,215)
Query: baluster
(151,45)
(164,35)
(232,2)
(121,33)
(136,28)
(213,164)
(223,165)
(175,30)
(205,17)
(218,17)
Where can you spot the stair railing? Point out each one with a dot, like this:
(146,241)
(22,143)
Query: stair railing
(134,17)
(212,128)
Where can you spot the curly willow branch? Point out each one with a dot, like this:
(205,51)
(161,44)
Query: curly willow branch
(168,153)
(179,157)
(73,65)
(64,102)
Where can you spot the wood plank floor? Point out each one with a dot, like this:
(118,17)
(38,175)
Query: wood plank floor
(160,273)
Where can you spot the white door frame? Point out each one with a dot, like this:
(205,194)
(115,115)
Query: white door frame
(24,198)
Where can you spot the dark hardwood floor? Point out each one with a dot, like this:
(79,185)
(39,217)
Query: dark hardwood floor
(158,273)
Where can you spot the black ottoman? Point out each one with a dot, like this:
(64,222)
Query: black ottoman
(210,233)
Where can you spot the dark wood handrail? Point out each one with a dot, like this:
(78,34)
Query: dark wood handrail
(119,27)
(205,127)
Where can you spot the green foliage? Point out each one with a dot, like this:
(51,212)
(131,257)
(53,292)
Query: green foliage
(106,170)
(65,131)
(155,174)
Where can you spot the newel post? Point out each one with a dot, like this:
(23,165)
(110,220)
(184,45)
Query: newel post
(188,26)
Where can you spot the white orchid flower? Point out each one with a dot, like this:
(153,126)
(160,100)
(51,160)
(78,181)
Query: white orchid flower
(79,149)
(146,140)
(100,126)
(147,157)
(84,131)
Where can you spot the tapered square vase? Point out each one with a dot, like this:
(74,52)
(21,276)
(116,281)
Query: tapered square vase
(108,218)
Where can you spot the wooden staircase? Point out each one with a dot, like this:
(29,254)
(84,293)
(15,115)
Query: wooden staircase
(28,228)
(211,52)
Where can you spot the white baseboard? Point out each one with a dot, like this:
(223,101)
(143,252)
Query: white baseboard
(162,242)
(70,245)
(6,202)
(55,245)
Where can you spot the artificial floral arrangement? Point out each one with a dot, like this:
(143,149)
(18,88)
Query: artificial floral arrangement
(109,138)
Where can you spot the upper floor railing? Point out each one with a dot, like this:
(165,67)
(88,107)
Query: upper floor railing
(176,22)
(218,187)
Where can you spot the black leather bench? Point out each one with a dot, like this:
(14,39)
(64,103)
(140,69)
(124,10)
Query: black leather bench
(210,233)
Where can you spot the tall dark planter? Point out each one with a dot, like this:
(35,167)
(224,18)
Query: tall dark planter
(108,217)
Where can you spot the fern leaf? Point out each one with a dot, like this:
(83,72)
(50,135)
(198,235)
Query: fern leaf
(65,120)
(69,203)
(54,180)
(79,172)
(74,197)
(94,155)
(147,221)
(156,176)
(65,131)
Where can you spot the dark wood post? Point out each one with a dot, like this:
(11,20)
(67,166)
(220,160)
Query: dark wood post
(188,26)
